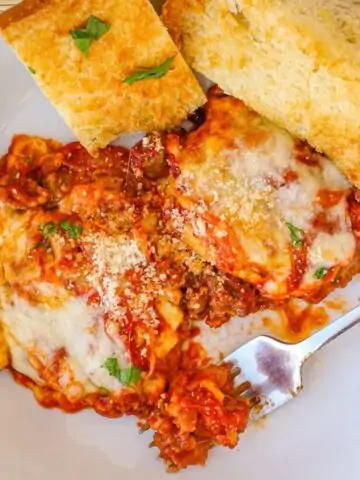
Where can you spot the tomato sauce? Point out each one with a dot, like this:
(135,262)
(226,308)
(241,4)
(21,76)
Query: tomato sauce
(190,403)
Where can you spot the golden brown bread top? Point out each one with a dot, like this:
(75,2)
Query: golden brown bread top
(20,11)
(297,62)
(90,92)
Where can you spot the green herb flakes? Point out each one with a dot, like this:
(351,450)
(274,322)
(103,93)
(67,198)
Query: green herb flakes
(48,229)
(73,229)
(126,376)
(93,30)
(130,375)
(320,273)
(296,235)
(149,73)
(96,28)
(82,40)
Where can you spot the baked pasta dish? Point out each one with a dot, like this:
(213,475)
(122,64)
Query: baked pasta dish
(110,265)
(260,205)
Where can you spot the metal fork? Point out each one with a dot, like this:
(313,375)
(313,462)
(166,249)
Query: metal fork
(272,369)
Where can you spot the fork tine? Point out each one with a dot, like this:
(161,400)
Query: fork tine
(272,369)
(242,388)
(235,372)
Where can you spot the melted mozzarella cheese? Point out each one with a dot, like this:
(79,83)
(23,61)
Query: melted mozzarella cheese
(74,326)
(247,171)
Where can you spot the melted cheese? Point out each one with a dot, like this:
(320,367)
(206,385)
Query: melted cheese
(54,336)
(246,171)
(75,326)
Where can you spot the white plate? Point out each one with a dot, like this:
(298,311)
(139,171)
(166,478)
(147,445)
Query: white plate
(315,437)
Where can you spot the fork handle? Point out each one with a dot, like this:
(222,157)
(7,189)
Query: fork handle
(312,344)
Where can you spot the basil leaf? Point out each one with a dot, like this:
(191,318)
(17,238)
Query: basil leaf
(48,229)
(127,376)
(130,375)
(296,235)
(112,367)
(82,40)
(73,229)
(96,27)
(149,73)
(94,30)
(320,273)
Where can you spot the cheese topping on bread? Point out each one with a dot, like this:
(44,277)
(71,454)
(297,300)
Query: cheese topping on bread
(83,54)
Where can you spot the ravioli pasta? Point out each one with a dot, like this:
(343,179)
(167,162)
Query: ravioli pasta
(111,266)
(97,294)
(263,206)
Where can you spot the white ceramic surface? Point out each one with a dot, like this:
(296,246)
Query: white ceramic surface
(315,437)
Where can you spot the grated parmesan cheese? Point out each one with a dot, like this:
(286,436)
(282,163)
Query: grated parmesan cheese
(111,258)
(249,176)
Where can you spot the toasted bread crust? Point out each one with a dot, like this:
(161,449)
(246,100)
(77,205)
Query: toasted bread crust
(89,92)
(295,62)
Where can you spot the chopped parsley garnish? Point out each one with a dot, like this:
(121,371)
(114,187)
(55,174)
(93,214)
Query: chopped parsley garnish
(93,30)
(73,229)
(112,367)
(320,273)
(82,40)
(296,235)
(126,376)
(96,27)
(48,229)
(149,73)
(130,375)
(31,70)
